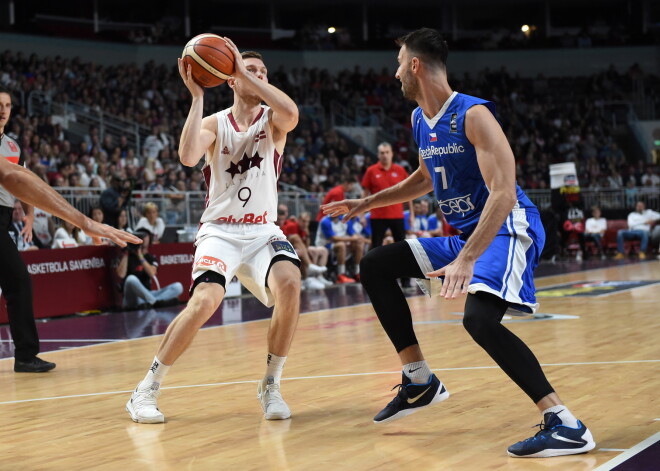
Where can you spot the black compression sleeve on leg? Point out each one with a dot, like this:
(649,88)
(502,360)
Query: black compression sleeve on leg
(379,270)
(483,314)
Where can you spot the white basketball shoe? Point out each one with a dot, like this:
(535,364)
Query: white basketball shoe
(314,270)
(143,408)
(268,393)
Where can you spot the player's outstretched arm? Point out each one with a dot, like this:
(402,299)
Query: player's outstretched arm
(417,184)
(28,188)
(285,110)
(198,133)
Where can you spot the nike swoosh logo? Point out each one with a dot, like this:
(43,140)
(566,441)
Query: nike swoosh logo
(556,436)
(412,400)
(412,371)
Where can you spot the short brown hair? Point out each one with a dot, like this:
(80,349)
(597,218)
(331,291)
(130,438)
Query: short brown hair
(252,55)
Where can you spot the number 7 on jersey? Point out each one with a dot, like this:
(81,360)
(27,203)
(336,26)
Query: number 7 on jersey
(441,171)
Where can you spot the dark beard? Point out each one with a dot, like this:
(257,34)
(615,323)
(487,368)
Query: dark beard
(411,91)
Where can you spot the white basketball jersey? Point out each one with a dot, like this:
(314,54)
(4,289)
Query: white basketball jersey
(241,174)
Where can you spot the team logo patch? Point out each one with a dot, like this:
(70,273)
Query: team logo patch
(225,150)
(591,288)
(434,137)
(206,261)
(453,125)
(282,246)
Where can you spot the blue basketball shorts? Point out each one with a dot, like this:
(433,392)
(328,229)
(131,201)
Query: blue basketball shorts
(505,269)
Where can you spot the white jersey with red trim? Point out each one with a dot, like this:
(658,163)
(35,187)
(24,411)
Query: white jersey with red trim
(241,174)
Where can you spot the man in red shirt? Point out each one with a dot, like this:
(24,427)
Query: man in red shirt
(338,193)
(378,177)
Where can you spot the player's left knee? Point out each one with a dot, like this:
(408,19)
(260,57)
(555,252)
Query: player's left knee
(287,287)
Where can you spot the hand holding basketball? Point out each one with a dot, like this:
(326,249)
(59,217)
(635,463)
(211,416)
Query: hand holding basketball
(239,66)
(185,70)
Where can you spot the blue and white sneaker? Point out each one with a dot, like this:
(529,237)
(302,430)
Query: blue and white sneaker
(411,398)
(554,439)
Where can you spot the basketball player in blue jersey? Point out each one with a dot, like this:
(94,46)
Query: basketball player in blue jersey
(466,160)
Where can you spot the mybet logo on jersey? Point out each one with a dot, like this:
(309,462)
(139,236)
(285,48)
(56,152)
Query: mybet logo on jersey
(460,205)
(248,218)
(429,152)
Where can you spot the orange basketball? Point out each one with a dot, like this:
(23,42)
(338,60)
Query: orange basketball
(211,60)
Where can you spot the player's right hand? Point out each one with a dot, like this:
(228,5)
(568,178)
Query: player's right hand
(350,208)
(99,231)
(185,71)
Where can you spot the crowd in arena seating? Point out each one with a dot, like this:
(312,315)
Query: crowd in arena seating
(547,120)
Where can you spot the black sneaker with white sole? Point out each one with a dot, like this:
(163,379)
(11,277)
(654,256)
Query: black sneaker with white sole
(554,439)
(412,397)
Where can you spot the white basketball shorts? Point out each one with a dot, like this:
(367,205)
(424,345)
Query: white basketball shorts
(241,250)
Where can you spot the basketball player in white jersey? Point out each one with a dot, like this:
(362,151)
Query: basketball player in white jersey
(243,147)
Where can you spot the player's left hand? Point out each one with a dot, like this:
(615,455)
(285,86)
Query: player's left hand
(458,275)
(239,66)
(26,233)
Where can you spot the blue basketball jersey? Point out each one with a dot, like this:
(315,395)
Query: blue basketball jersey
(452,162)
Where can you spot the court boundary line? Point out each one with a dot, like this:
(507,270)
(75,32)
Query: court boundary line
(343,375)
(632,451)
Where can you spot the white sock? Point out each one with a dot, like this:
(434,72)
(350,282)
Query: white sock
(155,375)
(341,269)
(567,418)
(418,372)
(274,367)
(357,268)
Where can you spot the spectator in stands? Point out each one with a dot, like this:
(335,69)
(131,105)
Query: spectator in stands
(68,236)
(594,230)
(361,225)
(298,235)
(318,255)
(43,228)
(640,223)
(338,193)
(573,227)
(151,222)
(650,176)
(153,144)
(95,214)
(115,198)
(23,242)
(378,177)
(123,222)
(333,234)
(437,224)
(137,268)
(420,220)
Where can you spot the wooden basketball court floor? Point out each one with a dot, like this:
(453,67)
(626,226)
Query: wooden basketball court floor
(602,355)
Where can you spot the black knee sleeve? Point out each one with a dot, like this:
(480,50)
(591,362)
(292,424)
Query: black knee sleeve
(482,320)
(379,270)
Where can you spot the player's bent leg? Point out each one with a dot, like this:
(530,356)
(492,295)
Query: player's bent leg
(380,268)
(143,405)
(284,282)
(179,334)
(561,433)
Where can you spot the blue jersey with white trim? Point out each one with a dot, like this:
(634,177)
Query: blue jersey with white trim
(451,160)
